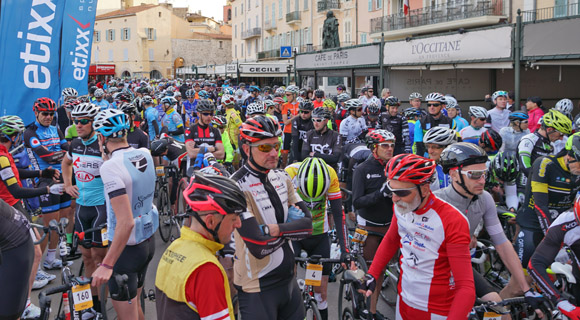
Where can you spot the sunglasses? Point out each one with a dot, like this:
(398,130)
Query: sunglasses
(524,121)
(267,147)
(401,193)
(82,121)
(433,104)
(359,110)
(207,114)
(434,146)
(288,94)
(318,120)
(475,174)
(47,114)
(482,119)
(386,145)
(304,111)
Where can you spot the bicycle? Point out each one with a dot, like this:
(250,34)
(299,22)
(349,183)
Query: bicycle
(170,218)
(518,309)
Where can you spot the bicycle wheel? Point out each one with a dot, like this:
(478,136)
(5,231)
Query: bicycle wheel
(312,312)
(165,218)
(180,207)
(347,314)
(341,294)
(389,286)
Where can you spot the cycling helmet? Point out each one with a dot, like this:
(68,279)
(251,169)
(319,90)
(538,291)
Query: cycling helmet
(505,166)
(111,123)
(10,125)
(69,93)
(328,103)
(441,136)
(228,100)
(125,97)
(159,146)
(212,170)
(177,94)
(147,100)
(229,90)
(112,90)
(44,104)
(462,154)
(203,94)
(565,106)
(214,193)
(268,104)
(253,89)
(306,105)
(478,112)
(500,93)
(239,92)
(415,95)
(255,108)
(128,108)
(313,178)
(259,128)
(292,89)
(319,93)
(518,116)
(205,105)
(267,88)
(378,136)
(85,98)
(190,93)
(491,139)
(435,96)
(279,100)
(343,97)
(99,93)
(353,104)
(558,121)
(373,109)
(321,113)
(219,121)
(410,168)
(85,110)
(573,146)
(170,88)
(451,102)
(71,104)
(392,101)
(169,100)
(303,92)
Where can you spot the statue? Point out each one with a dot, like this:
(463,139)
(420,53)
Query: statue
(330,32)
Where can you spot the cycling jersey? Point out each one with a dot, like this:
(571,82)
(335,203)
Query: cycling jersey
(372,206)
(511,139)
(398,126)
(372,124)
(531,147)
(327,146)
(14,227)
(436,275)
(458,123)
(366,101)
(70,132)
(228,148)
(173,122)
(424,124)
(442,180)
(131,171)
(351,128)
(137,138)
(265,262)
(8,174)
(151,116)
(300,128)
(86,163)
(204,135)
(103,104)
(471,134)
(550,190)
(290,110)
(45,146)
(189,110)
(176,152)
(499,118)
(233,125)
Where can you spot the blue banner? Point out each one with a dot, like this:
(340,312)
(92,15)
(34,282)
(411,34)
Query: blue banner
(29,53)
(77,38)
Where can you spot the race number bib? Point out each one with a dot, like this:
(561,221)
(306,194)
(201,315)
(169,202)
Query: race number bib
(82,297)
(313,275)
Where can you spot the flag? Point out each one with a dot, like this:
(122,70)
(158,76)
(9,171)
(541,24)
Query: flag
(406,7)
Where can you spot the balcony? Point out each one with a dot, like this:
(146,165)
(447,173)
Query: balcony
(325,5)
(551,13)
(442,17)
(251,33)
(269,54)
(293,17)
(270,25)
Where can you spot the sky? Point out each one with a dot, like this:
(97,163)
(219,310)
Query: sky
(211,8)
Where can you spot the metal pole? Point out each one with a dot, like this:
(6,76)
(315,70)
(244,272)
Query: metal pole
(238,73)
(517,62)
(295,72)
(381,63)
(288,78)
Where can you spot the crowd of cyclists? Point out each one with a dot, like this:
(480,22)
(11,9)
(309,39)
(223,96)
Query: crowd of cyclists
(268,170)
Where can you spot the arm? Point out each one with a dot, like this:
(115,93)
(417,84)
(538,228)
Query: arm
(540,172)
(512,262)
(525,155)
(389,245)
(406,137)
(339,223)
(258,244)
(298,229)
(295,146)
(419,138)
(67,173)
(156,127)
(460,263)
(32,141)
(360,199)
(28,174)
(218,150)
(9,179)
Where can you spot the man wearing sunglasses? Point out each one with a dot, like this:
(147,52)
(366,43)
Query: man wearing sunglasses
(466,165)
(434,118)
(472,132)
(394,122)
(433,238)
(435,140)
(322,142)
(368,97)
(264,270)
(300,127)
(354,128)
(203,135)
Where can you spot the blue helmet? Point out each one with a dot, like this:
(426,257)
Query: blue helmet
(518,116)
(254,89)
(111,123)
(203,94)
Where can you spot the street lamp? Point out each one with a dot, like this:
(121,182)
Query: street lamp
(288,69)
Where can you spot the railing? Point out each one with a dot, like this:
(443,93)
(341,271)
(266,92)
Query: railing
(551,13)
(293,16)
(250,33)
(269,25)
(269,54)
(450,11)
(325,5)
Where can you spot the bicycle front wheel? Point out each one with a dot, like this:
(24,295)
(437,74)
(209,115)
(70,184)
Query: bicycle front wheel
(165,216)
(312,312)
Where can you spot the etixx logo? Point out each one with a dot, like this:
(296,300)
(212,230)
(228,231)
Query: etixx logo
(81,53)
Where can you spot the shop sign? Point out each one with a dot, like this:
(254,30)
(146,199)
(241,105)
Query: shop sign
(265,68)
(368,55)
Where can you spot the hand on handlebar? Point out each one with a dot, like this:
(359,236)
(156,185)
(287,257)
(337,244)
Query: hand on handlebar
(101,276)
(535,300)
(367,285)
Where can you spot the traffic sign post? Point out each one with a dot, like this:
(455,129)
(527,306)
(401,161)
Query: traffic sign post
(286,52)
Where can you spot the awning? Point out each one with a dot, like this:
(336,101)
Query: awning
(265,75)
(102,70)
(482,65)
(573,62)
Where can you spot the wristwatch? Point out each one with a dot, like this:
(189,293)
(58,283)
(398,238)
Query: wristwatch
(265,230)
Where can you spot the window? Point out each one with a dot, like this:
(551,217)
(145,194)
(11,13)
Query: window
(379,4)
(250,5)
(125,34)
(370,5)
(111,35)
(296,5)
(151,33)
(229,14)
(242,51)
(363,38)
(306,4)
(280,12)
(96,55)
(249,24)
(347,31)
(288,38)
(257,22)
(110,55)
(97,36)
(242,28)
(235,11)
(236,51)
(125,54)
(242,9)
(307,36)
(221,44)
(151,55)
(287,6)
(266,14)
(257,46)
(249,47)
(235,31)
(273,14)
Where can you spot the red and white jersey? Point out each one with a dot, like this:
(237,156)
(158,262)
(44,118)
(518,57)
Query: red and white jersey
(426,282)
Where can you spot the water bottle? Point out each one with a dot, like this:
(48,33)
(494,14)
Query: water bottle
(63,251)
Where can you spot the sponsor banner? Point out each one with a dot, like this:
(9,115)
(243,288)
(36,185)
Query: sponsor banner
(77,38)
(30,33)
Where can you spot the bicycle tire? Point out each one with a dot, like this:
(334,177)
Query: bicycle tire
(347,314)
(142,299)
(165,219)
(340,297)
(389,289)
(314,313)
(180,206)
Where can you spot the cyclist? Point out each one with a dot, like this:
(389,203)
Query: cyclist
(203,135)
(233,121)
(62,117)
(220,123)
(476,127)
(499,115)
(412,114)
(136,137)
(512,134)
(188,108)
(190,281)
(300,127)
(253,97)
(289,113)
(84,160)
(415,100)
(317,184)
(341,110)
(372,116)
(396,123)
(353,128)
(434,118)
(128,175)
(505,169)
(535,112)
(172,151)
(466,164)
(369,195)
(367,97)
(255,109)
(270,109)
(454,113)
(171,120)
(150,115)
(318,98)
(70,132)
(322,142)
(46,147)
(491,142)
(99,100)
(433,238)
(264,265)
(435,140)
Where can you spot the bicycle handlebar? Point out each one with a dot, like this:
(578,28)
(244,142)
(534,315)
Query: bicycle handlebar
(317,259)
(45,231)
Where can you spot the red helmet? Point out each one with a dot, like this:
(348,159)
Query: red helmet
(491,139)
(228,99)
(410,168)
(279,100)
(44,104)
(207,192)
(259,128)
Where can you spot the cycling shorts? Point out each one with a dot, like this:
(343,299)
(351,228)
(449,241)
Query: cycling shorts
(50,203)
(14,274)
(88,217)
(526,243)
(287,141)
(133,262)
(281,302)
(315,245)
(403,311)
(482,286)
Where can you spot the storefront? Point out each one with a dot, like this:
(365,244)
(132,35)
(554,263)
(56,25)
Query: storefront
(101,72)
(266,74)
(354,67)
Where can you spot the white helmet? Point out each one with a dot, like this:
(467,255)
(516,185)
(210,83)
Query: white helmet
(565,106)
(292,89)
(255,108)
(441,136)
(99,93)
(69,93)
(415,95)
(451,102)
(85,110)
(478,112)
(435,96)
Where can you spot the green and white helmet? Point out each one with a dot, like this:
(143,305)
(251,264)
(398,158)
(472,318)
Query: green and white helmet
(10,125)
(313,178)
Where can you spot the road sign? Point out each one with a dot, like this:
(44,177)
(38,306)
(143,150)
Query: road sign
(285,52)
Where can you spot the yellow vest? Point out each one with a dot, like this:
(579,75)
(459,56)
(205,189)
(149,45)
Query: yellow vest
(178,262)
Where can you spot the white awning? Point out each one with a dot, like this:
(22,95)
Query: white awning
(481,65)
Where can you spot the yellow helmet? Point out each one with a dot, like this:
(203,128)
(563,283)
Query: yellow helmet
(328,103)
(558,121)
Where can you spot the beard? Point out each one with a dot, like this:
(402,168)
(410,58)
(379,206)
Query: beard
(405,207)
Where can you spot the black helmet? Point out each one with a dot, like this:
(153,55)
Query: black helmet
(319,93)
(128,108)
(205,105)
(306,105)
(462,154)
(321,113)
(491,139)
(159,146)
(505,166)
(214,193)
(392,101)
